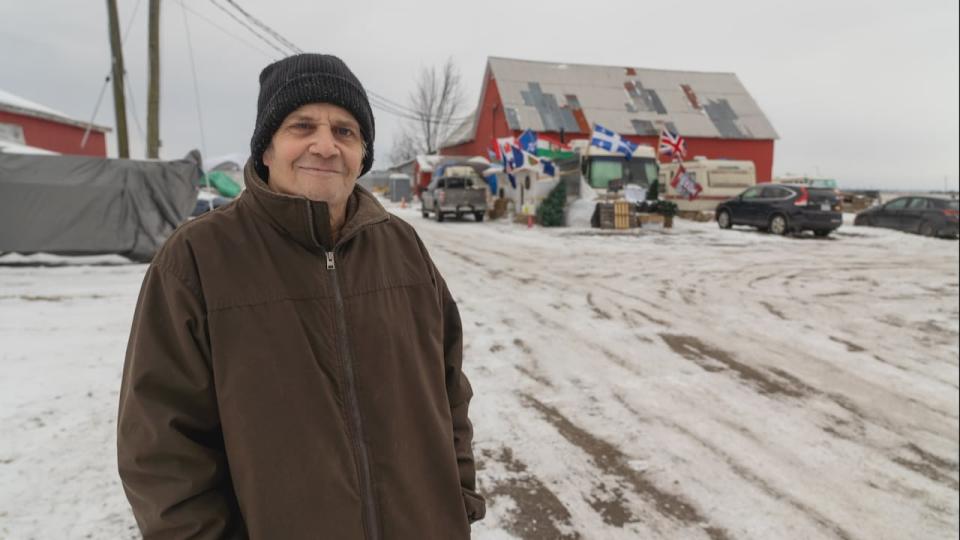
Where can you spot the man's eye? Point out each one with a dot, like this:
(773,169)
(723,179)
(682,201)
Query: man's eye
(344,132)
(301,126)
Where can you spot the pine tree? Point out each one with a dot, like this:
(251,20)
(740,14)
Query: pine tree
(653,192)
(550,212)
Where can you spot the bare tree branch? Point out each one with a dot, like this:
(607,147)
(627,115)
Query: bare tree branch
(404,147)
(437,99)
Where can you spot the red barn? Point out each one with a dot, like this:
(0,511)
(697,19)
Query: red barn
(31,124)
(713,111)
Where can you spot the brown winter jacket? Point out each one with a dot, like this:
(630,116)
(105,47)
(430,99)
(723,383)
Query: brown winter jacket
(275,389)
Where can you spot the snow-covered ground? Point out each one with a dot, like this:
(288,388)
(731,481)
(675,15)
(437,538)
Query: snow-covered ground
(675,384)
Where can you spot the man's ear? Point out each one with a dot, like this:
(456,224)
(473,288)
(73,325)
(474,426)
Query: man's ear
(268,156)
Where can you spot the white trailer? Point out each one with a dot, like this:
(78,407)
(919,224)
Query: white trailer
(720,179)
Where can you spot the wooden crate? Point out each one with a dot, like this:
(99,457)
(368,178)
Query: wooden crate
(647,220)
(616,215)
(621,215)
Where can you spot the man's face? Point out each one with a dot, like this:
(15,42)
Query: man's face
(317,152)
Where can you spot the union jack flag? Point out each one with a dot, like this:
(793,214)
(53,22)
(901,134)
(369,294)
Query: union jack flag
(672,144)
(684,184)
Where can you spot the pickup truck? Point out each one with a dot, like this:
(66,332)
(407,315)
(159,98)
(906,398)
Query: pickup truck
(457,195)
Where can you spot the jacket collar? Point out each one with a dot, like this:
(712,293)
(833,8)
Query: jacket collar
(306,221)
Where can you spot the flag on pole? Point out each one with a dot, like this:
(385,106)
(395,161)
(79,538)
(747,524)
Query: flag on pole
(547,167)
(528,142)
(685,185)
(539,164)
(513,158)
(611,142)
(672,144)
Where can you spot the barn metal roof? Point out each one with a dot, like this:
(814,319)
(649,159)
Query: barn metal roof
(545,96)
(16,104)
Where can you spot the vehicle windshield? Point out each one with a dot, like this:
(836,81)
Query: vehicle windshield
(635,171)
(828,183)
(458,183)
(821,193)
(943,204)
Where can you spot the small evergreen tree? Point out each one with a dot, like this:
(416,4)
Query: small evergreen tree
(550,212)
(653,192)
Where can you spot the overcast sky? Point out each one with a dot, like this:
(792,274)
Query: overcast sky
(863,91)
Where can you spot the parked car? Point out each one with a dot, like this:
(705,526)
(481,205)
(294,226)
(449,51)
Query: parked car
(929,216)
(783,209)
(456,195)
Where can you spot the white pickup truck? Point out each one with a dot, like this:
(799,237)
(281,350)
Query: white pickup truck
(454,195)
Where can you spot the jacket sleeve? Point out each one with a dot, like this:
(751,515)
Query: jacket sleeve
(459,394)
(170,447)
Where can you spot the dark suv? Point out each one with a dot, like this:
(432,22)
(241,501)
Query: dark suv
(929,216)
(783,209)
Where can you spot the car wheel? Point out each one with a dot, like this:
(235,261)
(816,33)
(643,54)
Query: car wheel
(778,225)
(723,219)
(478,216)
(823,233)
(926,229)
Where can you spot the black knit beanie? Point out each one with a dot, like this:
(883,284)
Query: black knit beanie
(295,81)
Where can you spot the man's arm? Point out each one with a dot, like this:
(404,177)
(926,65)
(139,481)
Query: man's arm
(170,448)
(459,394)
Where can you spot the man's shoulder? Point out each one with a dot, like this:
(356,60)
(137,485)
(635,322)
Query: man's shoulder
(399,229)
(200,236)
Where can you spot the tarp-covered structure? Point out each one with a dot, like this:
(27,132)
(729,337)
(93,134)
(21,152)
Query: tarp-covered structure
(78,205)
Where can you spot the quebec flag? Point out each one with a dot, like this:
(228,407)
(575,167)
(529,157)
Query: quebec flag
(528,142)
(611,142)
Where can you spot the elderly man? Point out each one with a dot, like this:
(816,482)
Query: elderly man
(294,367)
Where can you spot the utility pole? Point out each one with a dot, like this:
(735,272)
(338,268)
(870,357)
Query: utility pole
(119,104)
(153,89)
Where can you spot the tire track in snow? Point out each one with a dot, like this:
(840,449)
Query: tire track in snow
(931,466)
(539,514)
(928,465)
(613,462)
(533,373)
(747,474)
(707,357)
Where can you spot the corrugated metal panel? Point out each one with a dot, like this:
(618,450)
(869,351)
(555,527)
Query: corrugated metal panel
(627,100)
(461,134)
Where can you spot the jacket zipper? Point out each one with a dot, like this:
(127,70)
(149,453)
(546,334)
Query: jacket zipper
(353,407)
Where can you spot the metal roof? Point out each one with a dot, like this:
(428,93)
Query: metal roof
(545,96)
(463,132)
(16,104)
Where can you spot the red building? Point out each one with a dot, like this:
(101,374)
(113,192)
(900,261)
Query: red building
(30,124)
(712,111)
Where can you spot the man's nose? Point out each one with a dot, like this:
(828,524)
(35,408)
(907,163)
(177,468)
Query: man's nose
(323,143)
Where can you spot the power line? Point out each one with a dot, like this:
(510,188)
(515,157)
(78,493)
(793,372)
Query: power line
(251,30)
(227,32)
(133,105)
(386,104)
(376,100)
(276,35)
(106,80)
(196,84)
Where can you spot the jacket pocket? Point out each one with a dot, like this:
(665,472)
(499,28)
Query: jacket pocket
(474,504)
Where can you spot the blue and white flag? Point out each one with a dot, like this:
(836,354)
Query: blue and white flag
(512,158)
(528,142)
(547,167)
(611,142)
